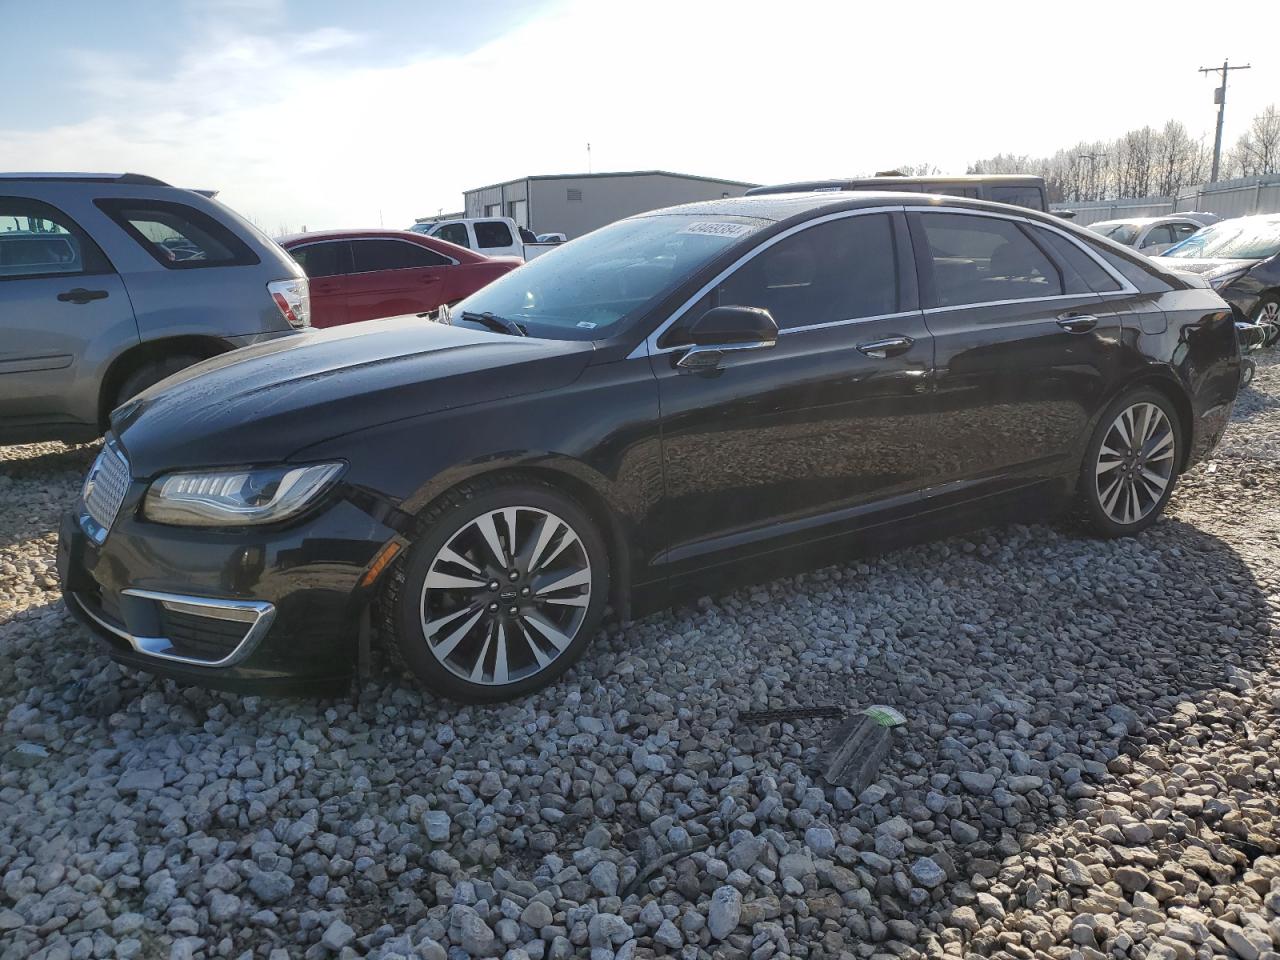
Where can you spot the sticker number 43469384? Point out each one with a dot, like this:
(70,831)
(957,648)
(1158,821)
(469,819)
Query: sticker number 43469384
(712,228)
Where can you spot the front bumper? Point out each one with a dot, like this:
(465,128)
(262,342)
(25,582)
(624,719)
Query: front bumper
(269,609)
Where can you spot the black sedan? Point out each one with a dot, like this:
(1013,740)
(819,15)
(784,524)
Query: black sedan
(697,396)
(1241,260)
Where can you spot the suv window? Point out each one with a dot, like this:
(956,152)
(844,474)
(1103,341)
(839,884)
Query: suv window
(37,240)
(322,259)
(840,270)
(178,236)
(1083,273)
(984,259)
(370,255)
(1158,234)
(1183,230)
(1018,196)
(495,233)
(454,233)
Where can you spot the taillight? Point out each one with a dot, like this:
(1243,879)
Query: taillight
(293,297)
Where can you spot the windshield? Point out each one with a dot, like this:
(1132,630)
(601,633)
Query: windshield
(585,289)
(1231,240)
(1124,233)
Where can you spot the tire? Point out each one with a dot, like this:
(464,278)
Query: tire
(498,640)
(1267,313)
(1138,501)
(149,374)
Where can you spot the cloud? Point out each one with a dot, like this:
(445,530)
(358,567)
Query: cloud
(299,127)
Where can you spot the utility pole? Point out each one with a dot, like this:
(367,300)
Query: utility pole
(1220,98)
(1093,159)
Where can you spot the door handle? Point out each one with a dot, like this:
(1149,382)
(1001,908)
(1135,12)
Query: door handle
(1077,322)
(81,295)
(888,347)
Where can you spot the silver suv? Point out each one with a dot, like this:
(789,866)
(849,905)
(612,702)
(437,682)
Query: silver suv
(111,282)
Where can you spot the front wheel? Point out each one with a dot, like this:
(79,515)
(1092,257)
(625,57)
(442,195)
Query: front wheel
(503,593)
(1267,314)
(1131,465)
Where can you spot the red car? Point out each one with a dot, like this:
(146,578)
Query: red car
(367,274)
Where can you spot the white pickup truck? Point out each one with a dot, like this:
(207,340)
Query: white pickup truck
(492,236)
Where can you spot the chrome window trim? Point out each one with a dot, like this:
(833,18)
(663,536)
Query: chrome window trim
(1126,288)
(649,346)
(257,613)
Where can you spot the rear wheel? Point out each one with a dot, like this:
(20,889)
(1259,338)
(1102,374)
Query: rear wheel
(1131,465)
(504,592)
(149,374)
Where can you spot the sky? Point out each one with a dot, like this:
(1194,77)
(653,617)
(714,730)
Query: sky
(343,113)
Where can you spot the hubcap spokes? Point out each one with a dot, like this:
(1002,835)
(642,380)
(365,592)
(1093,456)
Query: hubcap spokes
(1270,312)
(1135,463)
(506,595)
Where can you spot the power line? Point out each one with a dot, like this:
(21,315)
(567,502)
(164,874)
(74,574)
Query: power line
(1220,98)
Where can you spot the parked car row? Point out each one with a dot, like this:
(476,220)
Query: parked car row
(491,236)
(714,392)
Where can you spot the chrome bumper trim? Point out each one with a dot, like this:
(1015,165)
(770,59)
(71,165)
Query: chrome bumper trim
(257,613)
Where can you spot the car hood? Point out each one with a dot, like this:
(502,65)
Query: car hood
(1207,268)
(261,404)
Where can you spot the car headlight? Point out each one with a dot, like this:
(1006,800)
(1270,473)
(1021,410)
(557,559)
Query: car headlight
(1223,279)
(232,498)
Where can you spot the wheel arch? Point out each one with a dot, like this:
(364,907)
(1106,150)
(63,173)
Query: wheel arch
(1167,383)
(576,481)
(147,352)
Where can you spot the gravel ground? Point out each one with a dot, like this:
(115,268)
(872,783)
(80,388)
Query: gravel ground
(1089,767)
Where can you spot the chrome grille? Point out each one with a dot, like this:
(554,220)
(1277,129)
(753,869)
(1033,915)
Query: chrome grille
(105,487)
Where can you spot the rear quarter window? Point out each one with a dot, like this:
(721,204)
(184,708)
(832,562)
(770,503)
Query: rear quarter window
(178,236)
(1148,279)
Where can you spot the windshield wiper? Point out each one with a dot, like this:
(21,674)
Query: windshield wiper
(496,323)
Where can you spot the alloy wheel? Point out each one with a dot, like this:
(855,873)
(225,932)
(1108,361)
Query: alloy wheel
(506,595)
(1270,312)
(1135,463)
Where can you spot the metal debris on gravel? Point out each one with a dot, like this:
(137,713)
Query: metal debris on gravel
(1091,771)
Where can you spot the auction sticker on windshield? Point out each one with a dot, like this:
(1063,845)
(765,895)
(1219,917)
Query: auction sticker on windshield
(712,228)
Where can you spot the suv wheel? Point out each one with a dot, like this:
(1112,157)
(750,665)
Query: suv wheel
(1131,465)
(149,374)
(503,594)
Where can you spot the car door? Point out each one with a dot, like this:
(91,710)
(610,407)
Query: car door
(64,312)
(1026,349)
(328,266)
(391,277)
(821,434)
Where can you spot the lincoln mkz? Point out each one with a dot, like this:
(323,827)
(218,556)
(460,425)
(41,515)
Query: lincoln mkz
(703,395)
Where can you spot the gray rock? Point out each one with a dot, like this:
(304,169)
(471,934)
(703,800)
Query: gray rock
(724,912)
(337,935)
(271,886)
(927,873)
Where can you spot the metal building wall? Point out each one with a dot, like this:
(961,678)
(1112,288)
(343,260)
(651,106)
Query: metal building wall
(604,199)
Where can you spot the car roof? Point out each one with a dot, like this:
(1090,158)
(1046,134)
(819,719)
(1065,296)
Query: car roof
(1144,221)
(786,206)
(136,179)
(347,233)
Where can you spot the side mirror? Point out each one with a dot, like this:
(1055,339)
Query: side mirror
(724,330)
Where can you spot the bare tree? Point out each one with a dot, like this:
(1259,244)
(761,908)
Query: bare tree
(1258,149)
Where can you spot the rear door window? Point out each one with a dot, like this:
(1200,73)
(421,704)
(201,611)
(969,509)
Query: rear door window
(493,233)
(978,259)
(37,240)
(327,259)
(370,255)
(178,236)
(1183,230)
(844,269)
(454,233)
